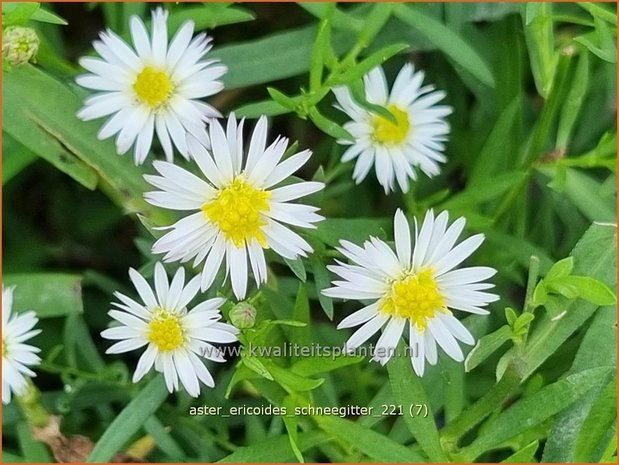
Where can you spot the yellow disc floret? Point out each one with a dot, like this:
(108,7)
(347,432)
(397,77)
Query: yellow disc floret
(165,331)
(388,132)
(237,211)
(415,297)
(153,87)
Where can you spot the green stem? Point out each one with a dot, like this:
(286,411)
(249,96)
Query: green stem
(492,401)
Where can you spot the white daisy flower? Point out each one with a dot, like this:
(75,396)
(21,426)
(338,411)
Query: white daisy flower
(16,355)
(396,149)
(176,338)
(415,287)
(237,212)
(152,88)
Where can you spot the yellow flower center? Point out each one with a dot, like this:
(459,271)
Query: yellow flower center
(237,211)
(388,132)
(153,87)
(165,331)
(415,297)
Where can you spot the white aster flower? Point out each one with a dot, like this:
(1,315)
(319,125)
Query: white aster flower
(415,287)
(237,211)
(16,355)
(176,338)
(396,149)
(154,87)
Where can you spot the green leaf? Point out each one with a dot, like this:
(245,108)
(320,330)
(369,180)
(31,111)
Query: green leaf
(291,381)
(539,35)
(375,445)
(361,69)
(560,269)
(301,312)
(594,255)
(484,192)
(264,107)
(407,391)
(594,432)
(275,449)
(591,290)
(533,410)
(447,41)
(598,348)
(14,13)
(488,162)
(573,103)
(598,11)
(327,126)
(297,267)
(130,420)
(51,107)
(524,455)
(15,157)
(283,99)
(309,366)
(45,16)
(321,52)
(486,346)
(209,16)
(162,438)
(322,281)
(292,422)
(48,294)
(332,230)
(33,450)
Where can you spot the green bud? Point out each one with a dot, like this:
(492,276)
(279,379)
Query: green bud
(19,44)
(243,315)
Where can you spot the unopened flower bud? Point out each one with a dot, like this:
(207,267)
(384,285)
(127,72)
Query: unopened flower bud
(19,44)
(243,315)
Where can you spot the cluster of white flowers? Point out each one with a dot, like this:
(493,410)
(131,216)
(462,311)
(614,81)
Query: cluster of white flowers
(239,205)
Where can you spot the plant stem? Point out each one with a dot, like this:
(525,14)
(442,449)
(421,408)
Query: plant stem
(492,401)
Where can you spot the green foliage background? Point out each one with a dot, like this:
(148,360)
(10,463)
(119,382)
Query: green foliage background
(531,163)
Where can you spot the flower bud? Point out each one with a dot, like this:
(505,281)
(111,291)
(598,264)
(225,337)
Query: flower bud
(19,44)
(243,315)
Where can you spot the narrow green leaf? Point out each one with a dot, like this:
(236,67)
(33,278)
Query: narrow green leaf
(264,107)
(560,269)
(407,391)
(486,346)
(275,449)
(322,281)
(163,439)
(327,126)
(209,16)
(598,348)
(48,294)
(591,290)
(489,160)
(447,41)
(375,445)
(524,455)
(45,16)
(15,157)
(14,13)
(301,312)
(598,11)
(322,48)
(33,450)
(357,230)
(283,99)
(594,432)
(291,381)
(534,409)
(309,366)
(362,68)
(573,102)
(297,267)
(539,36)
(594,255)
(130,420)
